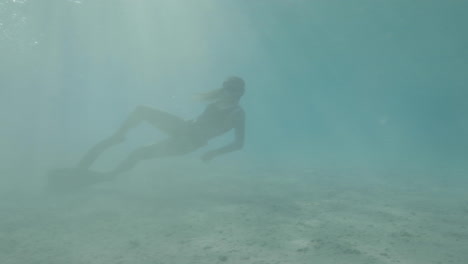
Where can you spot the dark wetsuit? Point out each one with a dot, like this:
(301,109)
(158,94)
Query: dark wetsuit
(213,122)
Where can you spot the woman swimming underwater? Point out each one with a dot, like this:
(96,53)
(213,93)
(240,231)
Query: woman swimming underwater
(222,114)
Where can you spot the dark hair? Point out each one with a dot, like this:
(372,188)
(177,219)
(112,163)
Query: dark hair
(234,85)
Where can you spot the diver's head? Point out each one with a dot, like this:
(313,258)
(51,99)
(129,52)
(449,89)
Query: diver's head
(229,94)
(233,88)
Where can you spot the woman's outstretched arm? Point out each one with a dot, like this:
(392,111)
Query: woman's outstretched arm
(237,144)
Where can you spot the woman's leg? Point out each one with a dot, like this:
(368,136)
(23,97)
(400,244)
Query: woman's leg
(92,154)
(166,122)
(168,147)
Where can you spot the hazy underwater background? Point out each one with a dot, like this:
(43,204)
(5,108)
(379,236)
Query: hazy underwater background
(348,103)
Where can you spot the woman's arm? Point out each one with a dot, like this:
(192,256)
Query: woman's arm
(237,144)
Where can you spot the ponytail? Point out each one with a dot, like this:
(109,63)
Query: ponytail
(210,96)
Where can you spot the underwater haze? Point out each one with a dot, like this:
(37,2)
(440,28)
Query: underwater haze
(356,127)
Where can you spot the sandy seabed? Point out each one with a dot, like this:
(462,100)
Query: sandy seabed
(204,214)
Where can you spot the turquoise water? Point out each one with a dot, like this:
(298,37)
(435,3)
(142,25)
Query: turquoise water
(355,147)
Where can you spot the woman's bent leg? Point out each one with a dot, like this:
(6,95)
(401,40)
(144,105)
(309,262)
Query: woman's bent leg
(169,147)
(166,122)
(90,157)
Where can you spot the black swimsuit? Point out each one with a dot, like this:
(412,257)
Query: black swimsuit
(211,123)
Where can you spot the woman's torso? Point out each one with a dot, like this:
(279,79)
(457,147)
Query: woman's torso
(215,121)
